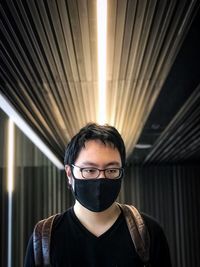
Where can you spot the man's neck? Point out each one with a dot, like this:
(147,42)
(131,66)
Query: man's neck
(97,222)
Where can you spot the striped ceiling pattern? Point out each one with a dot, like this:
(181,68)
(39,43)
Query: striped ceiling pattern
(49,66)
(180,141)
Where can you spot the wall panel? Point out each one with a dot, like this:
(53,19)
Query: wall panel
(171,195)
(36,197)
(40,189)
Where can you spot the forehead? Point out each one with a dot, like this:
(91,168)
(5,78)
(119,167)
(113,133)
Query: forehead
(98,152)
(98,144)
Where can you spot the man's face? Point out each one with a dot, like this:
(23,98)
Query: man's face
(98,155)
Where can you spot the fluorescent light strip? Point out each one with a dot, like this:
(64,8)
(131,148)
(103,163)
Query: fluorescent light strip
(143,146)
(102,32)
(10,178)
(26,129)
(10,159)
(9,252)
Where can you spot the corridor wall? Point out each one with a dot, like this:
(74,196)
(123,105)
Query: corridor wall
(3,193)
(169,193)
(40,189)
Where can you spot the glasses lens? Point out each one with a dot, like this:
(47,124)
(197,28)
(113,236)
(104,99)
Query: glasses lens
(112,173)
(90,173)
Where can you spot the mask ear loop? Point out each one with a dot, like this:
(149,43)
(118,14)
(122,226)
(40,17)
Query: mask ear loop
(72,179)
(73,184)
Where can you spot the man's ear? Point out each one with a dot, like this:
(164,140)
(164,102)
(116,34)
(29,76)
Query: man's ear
(68,173)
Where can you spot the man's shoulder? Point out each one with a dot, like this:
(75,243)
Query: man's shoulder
(62,218)
(151,222)
(159,247)
(155,229)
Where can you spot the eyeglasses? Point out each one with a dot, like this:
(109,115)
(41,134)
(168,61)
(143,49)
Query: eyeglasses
(93,173)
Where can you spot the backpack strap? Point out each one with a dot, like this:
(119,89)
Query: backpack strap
(41,241)
(138,231)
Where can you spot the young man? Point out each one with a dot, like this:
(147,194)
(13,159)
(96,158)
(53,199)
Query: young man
(94,232)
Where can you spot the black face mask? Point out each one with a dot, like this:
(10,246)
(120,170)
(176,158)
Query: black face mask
(96,194)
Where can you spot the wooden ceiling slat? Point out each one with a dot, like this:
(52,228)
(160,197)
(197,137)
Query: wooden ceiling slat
(111,35)
(119,32)
(58,48)
(127,39)
(70,49)
(85,34)
(74,112)
(77,38)
(86,101)
(93,40)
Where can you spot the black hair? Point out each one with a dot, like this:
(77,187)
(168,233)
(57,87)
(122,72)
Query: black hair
(92,131)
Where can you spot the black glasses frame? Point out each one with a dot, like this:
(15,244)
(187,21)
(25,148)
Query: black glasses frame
(121,171)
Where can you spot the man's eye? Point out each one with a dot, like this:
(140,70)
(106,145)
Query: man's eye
(90,170)
(112,170)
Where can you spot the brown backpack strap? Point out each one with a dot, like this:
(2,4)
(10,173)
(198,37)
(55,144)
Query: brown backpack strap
(41,241)
(37,243)
(138,231)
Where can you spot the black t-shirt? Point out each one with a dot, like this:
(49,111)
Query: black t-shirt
(72,245)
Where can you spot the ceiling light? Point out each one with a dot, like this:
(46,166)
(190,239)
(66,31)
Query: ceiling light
(143,146)
(10,159)
(102,32)
(10,180)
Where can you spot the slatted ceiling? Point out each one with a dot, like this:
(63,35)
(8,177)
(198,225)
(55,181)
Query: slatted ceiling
(85,35)
(114,48)
(81,31)
(140,54)
(145,65)
(181,139)
(111,23)
(77,40)
(69,61)
(49,62)
(36,118)
(188,145)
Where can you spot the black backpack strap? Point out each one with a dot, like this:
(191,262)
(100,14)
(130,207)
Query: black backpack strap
(138,232)
(41,241)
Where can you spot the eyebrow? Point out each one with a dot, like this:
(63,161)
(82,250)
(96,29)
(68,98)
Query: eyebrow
(92,164)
